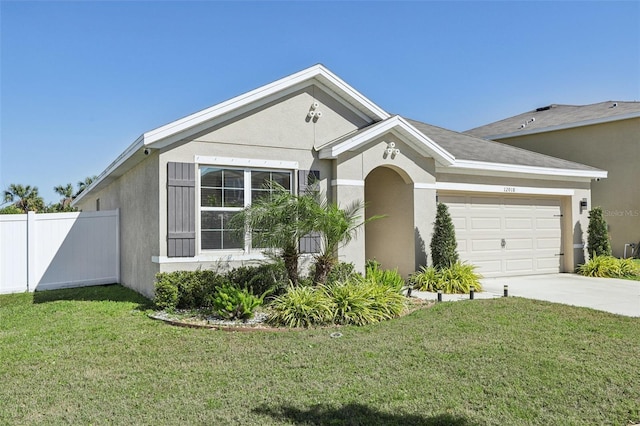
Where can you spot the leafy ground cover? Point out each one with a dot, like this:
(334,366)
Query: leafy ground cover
(92,356)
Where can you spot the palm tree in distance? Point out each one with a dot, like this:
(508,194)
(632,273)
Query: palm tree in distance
(66,192)
(26,197)
(84,184)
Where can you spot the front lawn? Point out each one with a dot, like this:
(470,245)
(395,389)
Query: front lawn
(92,356)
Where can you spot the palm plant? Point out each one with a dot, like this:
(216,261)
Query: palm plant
(278,222)
(66,192)
(84,184)
(337,227)
(26,197)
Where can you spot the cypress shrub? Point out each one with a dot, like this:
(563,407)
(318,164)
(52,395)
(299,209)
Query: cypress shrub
(598,237)
(443,242)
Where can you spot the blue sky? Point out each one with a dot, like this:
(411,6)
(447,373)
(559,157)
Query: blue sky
(80,81)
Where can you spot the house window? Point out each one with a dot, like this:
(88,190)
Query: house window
(224,192)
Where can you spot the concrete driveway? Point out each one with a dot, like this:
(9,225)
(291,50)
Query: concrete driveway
(605,294)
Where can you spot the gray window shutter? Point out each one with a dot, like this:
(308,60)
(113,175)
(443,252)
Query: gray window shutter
(311,242)
(181,210)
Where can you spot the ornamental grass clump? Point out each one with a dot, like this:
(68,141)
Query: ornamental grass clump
(301,307)
(609,267)
(455,279)
(357,300)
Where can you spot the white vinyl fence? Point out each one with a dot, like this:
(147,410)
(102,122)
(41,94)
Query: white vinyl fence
(57,250)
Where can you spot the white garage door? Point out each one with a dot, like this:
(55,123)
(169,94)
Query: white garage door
(504,235)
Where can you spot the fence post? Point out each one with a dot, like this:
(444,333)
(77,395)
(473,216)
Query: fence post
(31,251)
(118,245)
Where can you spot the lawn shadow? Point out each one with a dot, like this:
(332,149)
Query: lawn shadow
(96,293)
(356,414)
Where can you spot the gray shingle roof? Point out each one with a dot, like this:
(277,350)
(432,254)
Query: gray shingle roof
(557,115)
(466,147)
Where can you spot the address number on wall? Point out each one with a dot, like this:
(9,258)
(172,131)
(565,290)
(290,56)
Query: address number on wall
(509,189)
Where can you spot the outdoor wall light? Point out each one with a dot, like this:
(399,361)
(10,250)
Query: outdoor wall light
(583,205)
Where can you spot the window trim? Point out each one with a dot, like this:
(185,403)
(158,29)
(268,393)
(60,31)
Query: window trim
(247,166)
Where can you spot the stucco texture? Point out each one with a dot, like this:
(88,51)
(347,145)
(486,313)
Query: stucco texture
(613,146)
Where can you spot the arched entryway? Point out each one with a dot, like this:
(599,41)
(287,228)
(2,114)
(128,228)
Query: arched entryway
(390,240)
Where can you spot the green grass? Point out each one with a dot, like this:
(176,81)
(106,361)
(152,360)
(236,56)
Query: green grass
(92,356)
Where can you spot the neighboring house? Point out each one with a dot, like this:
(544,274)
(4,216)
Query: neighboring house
(515,211)
(604,135)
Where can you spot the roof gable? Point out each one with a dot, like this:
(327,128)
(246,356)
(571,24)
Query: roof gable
(395,125)
(317,74)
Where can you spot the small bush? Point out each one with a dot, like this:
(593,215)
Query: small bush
(444,248)
(234,303)
(385,277)
(266,278)
(166,295)
(301,307)
(195,288)
(598,243)
(609,267)
(456,279)
(426,279)
(352,303)
(342,271)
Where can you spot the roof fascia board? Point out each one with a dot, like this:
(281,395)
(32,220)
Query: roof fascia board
(132,149)
(460,166)
(280,88)
(565,126)
(399,127)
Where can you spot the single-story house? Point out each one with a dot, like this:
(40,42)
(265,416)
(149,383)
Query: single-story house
(604,135)
(515,211)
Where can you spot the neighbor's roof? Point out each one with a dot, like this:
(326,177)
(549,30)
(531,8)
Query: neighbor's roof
(470,148)
(557,117)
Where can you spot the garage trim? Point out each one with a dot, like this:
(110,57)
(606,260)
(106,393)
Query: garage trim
(503,189)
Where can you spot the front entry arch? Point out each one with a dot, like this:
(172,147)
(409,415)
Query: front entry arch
(390,240)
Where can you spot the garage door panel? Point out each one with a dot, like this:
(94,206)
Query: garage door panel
(548,243)
(485,245)
(519,244)
(547,223)
(519,265)
(485,223)
(481,203)
(458,222)
(488,268)
(530,227)
(518,223)
(548,264)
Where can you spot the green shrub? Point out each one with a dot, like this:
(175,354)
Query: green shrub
(301,307)
(597,234)
(266,278)
(195,288)
(426,279)
(166,294)
(352,303)
(629,267)
(231,302)
(385,277)
(455,279)
(609,267)
(443,242)
(342,271)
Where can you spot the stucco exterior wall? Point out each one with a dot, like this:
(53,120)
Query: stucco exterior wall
(136,195)
(613,146)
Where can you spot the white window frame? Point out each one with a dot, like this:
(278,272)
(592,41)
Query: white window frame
(247,166)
